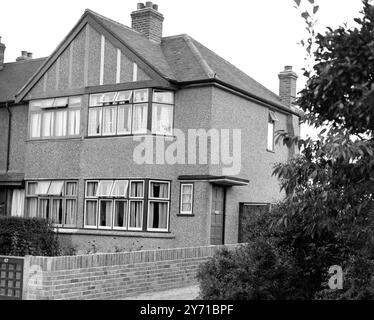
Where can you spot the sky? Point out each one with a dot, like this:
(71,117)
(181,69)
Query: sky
(259,37)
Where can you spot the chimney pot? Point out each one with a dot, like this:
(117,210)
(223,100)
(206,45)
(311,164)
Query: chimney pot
(155,7)
(149,4)
(29,55)
(140,6)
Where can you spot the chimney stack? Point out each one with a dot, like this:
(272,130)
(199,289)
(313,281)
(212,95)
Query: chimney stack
(24,56)
(2,52)
(148,21)
(287,86)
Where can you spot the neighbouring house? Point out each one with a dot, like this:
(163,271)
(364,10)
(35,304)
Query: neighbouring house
(72,125)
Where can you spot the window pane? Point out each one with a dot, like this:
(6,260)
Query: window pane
(91,209)
(35,125)
(139,122)
(96,99)
(109,120)
(91,189)
(55,188)
(186,207)
(60,102)
(137,189)
(60,123)
(159,190)
(136,214)
(75,101)
(141,95)
(35,105)
(57,211)
(43,209)
(157,215)
(187,189)
(46,103)
(124,96)
(120,188)
(31,188)
(105,213)
(104,188)
(124,119)
(32,205)
(162,118)
(43,187)
(74,122)
(163,97)
(47,124)
(94,122)
(70,212)
(71,189)
(120,214)
(109,97)
(270,136)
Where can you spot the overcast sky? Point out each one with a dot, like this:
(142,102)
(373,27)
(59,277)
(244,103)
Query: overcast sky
(260,37)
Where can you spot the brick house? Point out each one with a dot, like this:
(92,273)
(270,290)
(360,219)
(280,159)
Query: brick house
(71,124)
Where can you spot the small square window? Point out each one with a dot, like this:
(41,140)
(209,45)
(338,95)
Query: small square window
(60,102)
(120,188)
(186,201)
(141,96)
(55,188)
(43,187)
(163,97)
(31,188)
(137,189)
(124,96)
(46,103)
(91,188)
(159,190)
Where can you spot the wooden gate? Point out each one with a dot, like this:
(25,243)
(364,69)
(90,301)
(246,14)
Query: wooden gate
(11,278)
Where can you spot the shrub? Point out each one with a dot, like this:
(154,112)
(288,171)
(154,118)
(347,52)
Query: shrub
(20,237)
(257,271)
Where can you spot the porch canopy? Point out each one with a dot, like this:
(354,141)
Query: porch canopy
(11,179)
(226,181)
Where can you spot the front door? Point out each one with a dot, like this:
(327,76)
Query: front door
(217,229)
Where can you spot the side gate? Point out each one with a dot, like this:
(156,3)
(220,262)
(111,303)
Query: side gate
(11,278)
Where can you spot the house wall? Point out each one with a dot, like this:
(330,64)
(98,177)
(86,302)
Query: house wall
(3,138)
(112,158)
(234,112)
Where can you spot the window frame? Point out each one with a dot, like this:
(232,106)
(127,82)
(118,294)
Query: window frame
(272,123)
(36,108)
(158,200)
(181,212)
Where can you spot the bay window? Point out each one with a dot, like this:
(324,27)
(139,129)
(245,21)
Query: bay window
(127,112)
(121,205)
(55,118)
(53,200)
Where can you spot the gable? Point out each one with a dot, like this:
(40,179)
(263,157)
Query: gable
(89,60)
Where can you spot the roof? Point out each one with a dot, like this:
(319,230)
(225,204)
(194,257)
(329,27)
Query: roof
(15,75)
(178,59)
(183,59)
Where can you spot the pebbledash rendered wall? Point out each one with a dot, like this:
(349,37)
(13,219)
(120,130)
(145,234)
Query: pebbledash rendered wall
(114,275)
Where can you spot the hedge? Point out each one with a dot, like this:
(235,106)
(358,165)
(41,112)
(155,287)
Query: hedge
(25,236)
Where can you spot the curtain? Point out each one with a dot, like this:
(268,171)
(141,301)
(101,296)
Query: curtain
(140,118)
(94,121)
(91,189)
(137,189)
(136,212)
(124,119)
(74,122)
(70,217)
(57,211)
(47,124)
(44,209)
(162,118)
(18,203)
(109,120)
(35,125)
(60,123)
(32,205)
(91,207)
(159,190)
(120,218)
(157,215)
(71,189)
(105,213)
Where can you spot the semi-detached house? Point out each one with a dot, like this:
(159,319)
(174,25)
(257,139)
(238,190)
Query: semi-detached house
(71,126)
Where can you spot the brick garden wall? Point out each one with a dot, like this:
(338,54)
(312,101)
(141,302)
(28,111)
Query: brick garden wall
(114,275)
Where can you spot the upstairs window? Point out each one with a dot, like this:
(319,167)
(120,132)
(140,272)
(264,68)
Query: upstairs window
(55,118)
(271,127)
(127,112)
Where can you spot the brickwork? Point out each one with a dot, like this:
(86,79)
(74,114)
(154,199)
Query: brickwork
(148,22)
(113,276)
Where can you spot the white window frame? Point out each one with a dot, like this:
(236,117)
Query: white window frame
(90,198)
(141,216)
(181,199)
(128,213)
(99,215)
(162,200)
